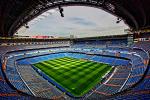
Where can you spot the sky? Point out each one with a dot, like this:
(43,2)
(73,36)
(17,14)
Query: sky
(79,21)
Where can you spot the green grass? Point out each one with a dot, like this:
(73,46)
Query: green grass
(75,75)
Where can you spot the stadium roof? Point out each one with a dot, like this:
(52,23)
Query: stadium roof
(17,13)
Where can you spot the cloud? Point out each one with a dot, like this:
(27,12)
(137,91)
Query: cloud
(109,28)
(69,28)
(79,21)
(76,19)
(82,21)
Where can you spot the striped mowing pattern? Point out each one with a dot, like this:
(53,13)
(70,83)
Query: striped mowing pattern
(77,76)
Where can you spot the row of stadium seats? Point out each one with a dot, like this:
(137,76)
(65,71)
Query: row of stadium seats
(109,60)
(78,56)
(6,90)
(39,86)
(99,43)
(137,66)
(14,77)
(45,58)
(144,45)
(114,84)
(140,91)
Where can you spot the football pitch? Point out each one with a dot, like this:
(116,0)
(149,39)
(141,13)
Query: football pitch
(77,76)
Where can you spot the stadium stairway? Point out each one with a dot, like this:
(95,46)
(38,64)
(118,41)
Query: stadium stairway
(138,92)
(139,68)
(39,86)
(8,91)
